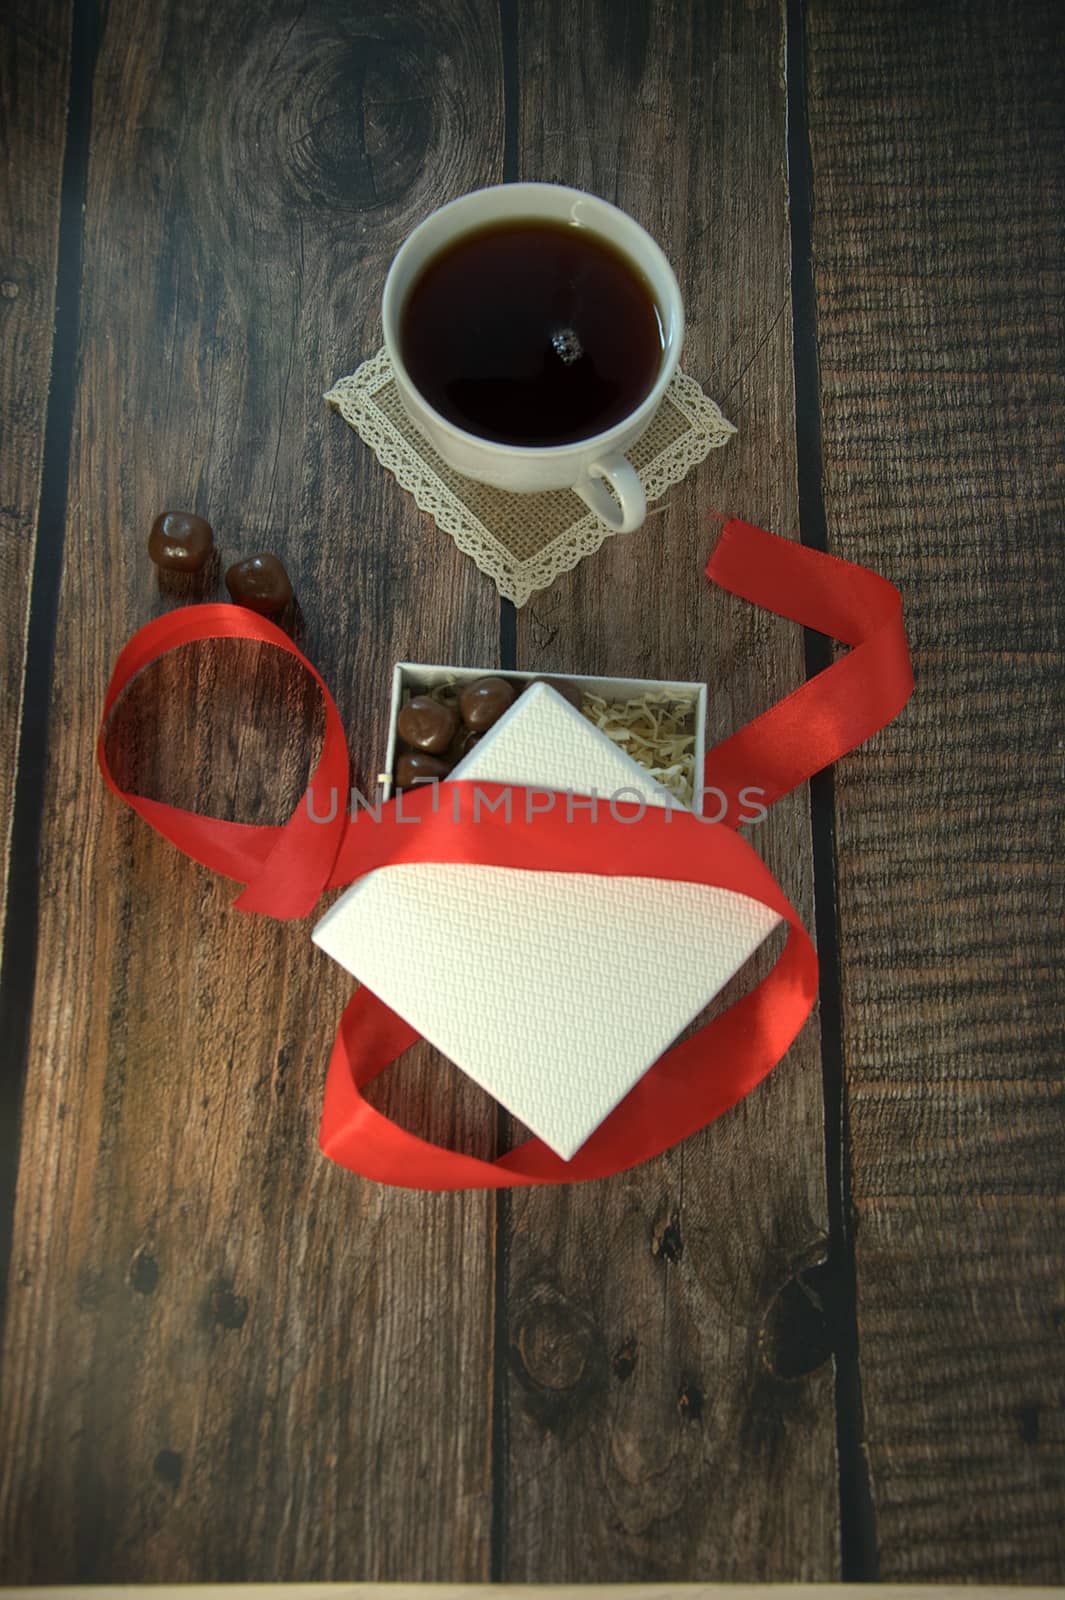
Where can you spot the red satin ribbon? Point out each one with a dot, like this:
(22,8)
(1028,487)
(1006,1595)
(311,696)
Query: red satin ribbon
(286,869)
(688,1086)
(841,707)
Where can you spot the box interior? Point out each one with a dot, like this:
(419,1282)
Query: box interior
(418,678)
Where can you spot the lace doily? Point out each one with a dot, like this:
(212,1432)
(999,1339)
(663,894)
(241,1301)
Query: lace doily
(521,541)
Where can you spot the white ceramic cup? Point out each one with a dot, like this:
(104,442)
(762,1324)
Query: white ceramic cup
(522,469)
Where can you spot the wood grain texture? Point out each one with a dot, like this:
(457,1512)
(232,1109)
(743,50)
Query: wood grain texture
(224,1358)
(514,1591)
(939,186)
(670,1402)
(34,72)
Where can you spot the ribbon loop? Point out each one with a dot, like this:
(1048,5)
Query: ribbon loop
(285,869)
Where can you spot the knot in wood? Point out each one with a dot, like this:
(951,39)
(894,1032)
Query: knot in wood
(667,1241)
(143,1271)
(356,120)
(554,1345)
(794,1337)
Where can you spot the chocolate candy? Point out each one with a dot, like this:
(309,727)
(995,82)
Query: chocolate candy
(465,743)
(484,702)
(180,541)
(462,744)
(569,691)
(428,725)
(415,764)
(260,583)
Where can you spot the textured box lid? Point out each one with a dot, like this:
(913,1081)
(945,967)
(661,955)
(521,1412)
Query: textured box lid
(553,991)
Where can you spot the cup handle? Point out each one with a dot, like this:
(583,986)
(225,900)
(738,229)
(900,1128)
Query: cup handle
(621,475)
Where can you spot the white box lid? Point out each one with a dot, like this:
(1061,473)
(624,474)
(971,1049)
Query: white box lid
(553,991)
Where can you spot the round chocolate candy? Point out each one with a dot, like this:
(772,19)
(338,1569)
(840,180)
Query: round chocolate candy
(484,702)
(569,691)
(427,725)
(260,583)
(180,541)
(462,744)
(414,765)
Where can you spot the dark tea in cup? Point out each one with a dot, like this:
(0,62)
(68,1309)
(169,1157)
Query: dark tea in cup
(532,332)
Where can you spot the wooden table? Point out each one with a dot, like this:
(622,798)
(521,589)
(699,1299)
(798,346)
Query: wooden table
(824,1338)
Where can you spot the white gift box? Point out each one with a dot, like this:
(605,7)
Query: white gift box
(553,991)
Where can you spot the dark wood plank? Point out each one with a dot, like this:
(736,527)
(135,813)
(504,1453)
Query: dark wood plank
(224,1358)
(667,1419)
(939,187)
(34,72)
